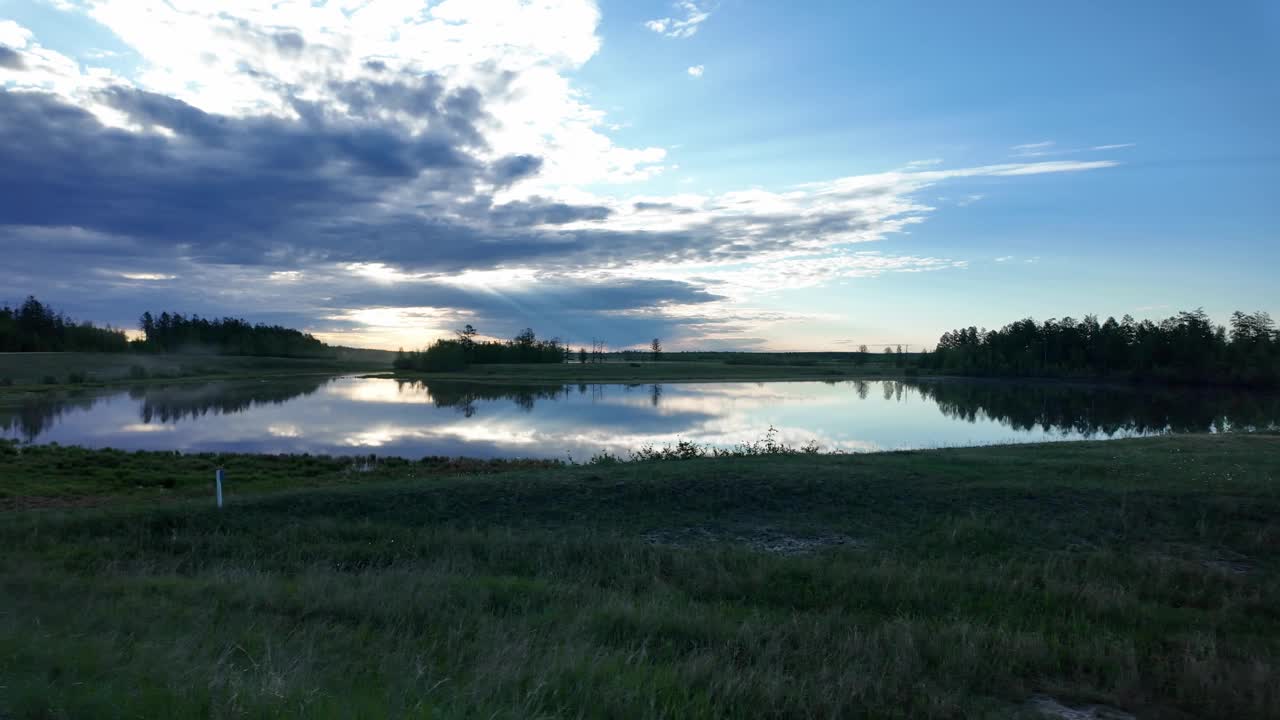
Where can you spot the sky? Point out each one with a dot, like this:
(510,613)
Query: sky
(729,175)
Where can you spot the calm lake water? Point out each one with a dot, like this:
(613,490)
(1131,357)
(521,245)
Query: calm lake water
(371,415)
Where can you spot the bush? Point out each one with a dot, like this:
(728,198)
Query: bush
(49,380)
(76,378)
(6,382)
(137,372)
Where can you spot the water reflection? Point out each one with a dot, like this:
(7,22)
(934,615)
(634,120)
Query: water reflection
(1091,411)
(31,416)
(349,415)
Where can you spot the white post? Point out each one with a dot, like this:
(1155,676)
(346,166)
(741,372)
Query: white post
(218,482)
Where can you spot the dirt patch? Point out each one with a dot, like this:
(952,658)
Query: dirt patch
(1048,707)
(763,540)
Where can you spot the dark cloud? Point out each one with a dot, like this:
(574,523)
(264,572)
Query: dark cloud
(664,207)
(514,167)
(268,190)
(231,188)
(288,43)
(550,294)
(11,59)
(538,211)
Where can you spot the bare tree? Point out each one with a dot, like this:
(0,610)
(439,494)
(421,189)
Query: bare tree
(656,348)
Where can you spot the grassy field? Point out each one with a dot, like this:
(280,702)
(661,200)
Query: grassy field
(662,371)
(42,371)
(1138,574)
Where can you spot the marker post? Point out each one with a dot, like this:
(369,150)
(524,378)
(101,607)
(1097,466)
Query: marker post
(217,481)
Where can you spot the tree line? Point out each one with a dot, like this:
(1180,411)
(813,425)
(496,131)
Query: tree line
(174,332)
(36,327)
(465,349)
(1187,347)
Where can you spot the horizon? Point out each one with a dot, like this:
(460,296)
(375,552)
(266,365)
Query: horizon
(723,176)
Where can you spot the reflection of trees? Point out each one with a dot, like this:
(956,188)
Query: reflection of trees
(170,403)
(1090,410)
(30,417)
(463,396)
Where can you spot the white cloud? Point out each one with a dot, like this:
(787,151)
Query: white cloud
(684,27)
(14,35)
(1048,147)
(695,71)
(43,69)
(244,57)
(146,276)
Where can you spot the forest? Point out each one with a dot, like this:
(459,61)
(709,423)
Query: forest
(36,327)
(1188,347)
(174,332)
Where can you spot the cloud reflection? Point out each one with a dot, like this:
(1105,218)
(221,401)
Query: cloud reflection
(358,415)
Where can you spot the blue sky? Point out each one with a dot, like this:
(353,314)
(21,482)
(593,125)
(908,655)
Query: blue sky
(742,175)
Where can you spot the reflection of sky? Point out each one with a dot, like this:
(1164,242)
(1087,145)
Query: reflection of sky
(371,415)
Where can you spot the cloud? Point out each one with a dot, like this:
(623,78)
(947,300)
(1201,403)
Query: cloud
(336,186)
(11,59)
(146,276)
(681,27)
(336,168)
(14,35)
(1048,147)
(695,71)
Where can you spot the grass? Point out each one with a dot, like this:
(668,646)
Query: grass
(26,372)
(1141,574)
(661,371)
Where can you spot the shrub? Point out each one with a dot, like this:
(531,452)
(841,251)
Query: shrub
(49,380)
(137,372)
(76,378)
(604,457)
(6,382)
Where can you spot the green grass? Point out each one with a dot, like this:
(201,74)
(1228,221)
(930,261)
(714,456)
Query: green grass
(662,371)
(1141,574)
(25,372)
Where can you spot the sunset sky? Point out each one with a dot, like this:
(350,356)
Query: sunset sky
(723,175)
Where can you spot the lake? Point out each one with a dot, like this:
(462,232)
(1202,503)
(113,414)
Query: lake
(350,415)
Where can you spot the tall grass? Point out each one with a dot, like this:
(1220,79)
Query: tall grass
(1139,574)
